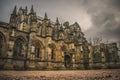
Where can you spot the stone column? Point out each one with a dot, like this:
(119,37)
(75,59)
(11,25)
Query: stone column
(48,50)
(10,49)
(90,61)
(42,54)
(103,60)
(73,61)
(81,61)
(63,60)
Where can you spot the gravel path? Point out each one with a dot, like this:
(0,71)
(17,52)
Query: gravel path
(61,75)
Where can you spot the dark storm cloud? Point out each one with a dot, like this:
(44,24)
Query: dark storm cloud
(105,16)
(116,4)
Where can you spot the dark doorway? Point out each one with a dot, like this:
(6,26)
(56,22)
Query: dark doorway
(67,60)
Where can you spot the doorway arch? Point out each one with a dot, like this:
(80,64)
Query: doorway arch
(67,61)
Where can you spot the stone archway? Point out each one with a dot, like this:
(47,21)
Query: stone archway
(2,44)
(67,61)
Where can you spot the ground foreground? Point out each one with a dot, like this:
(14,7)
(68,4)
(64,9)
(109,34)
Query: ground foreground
(61,75)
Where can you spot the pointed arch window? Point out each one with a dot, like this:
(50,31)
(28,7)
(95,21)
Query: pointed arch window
(53,51)
(18,47)
(1,44)
(37,52)
(97,57)
(52,54)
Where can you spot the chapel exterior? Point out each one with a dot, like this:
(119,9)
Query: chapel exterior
(29,41)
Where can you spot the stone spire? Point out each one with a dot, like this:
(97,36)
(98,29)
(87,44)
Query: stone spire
(32,10)
(15,10)
(57,21)
(26,10)
(45,17)
(61,27)
(49,24)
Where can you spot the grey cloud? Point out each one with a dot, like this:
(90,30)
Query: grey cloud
(116,4)
(103,16)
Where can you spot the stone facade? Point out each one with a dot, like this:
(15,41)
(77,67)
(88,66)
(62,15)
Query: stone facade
(34,42)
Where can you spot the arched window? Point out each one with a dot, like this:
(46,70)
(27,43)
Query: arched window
(37,51)
(52,54)
(97,57)
(2,43)
(53,51)
(18,47)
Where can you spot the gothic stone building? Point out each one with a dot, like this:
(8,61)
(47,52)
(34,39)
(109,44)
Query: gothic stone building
(34,42)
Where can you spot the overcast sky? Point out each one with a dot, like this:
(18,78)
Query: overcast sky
(96,17)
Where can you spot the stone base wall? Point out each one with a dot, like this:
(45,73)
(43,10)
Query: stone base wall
(9,64)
